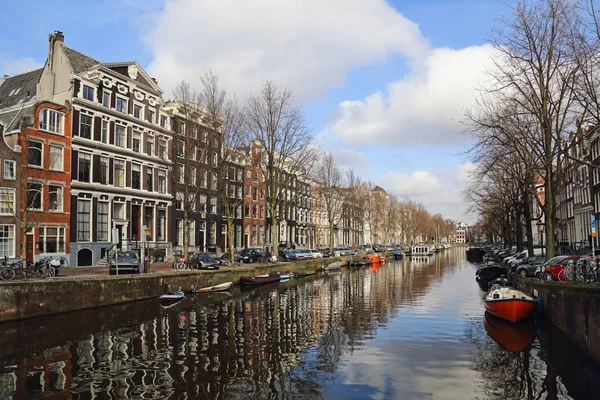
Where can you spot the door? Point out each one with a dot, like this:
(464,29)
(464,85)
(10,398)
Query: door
(29,248)
(119,236)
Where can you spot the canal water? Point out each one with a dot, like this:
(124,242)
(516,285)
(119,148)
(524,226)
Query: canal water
(413,329)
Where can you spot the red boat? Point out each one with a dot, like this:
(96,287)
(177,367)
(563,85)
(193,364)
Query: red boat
(259,279)
(375,259)
(509,304)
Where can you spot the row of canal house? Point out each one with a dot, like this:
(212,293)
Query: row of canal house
(92,154)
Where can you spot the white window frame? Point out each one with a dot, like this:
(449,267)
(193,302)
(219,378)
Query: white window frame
(126,100)
(61,233)
(104,93)
(60,197)
(104,132)
(78,165)
(89,232)
(107,204)
(116,215)
(124,143)
(14,170)
(83,87)
(41,154)
(137,135)
(52,166)
(57,128)
(162,188)
(140,174)
(124,181)
(41,195)
(142,111)
(4,193)
(91,116)
(5,249)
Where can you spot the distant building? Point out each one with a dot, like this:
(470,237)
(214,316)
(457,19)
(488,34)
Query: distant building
(462,233)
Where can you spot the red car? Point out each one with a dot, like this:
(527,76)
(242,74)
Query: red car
(554,269)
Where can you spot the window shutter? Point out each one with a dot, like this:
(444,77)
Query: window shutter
(111,165)
(75,123)
(111,132)
(73,230)
(128,174)
(93,219)
(97,128)
(74,167)
(96,170)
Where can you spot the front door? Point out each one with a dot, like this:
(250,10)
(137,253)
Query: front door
(29,248)
(119,237)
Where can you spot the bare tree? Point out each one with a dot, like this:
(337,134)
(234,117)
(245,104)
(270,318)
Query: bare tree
(330,178)
(281,130)
(533,81)
(225,120)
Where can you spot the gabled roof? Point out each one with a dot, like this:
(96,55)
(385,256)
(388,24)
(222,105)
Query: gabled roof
(19,89)
(79,61)
(379,189)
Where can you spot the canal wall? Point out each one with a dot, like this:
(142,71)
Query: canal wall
(572,309)
(33,298)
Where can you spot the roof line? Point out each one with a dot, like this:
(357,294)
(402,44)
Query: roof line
(81,52)
(23,73)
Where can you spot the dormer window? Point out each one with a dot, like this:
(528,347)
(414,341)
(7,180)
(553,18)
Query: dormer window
(51,121)
(88,92)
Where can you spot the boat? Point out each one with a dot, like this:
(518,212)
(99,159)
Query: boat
(511,337)
(358,262)
(375,259)
(286,277)
(421,250)
(259,279)
(333,266)
(489,273)
(475,254)
(216,288)
(398,255)
(307,272)
(172,297)
(509,304)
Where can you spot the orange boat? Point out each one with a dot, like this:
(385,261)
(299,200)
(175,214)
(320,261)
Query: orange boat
(512,337)
(509,304)
(375,259)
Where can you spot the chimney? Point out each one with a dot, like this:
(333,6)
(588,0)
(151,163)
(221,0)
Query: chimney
(59,36)
(6,76)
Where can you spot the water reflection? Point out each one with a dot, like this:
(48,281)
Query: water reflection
(410,329)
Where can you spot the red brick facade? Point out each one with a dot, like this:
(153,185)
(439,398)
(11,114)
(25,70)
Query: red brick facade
(255,205)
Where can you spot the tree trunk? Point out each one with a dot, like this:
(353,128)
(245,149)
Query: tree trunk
(549,215)
(186,236)
(274,231)
(519,230)
(330,236)
(528,227)
(231,238)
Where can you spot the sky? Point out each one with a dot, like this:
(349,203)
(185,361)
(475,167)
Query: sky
(383,84)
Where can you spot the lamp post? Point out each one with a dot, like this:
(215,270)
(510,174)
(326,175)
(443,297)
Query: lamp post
(148,231)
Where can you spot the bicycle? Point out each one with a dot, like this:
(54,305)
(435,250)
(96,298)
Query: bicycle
(7,274)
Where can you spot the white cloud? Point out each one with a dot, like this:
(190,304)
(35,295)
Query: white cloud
(347,158)
(413,185)
(308,45)
(422,108)
(464,173)
(12,66)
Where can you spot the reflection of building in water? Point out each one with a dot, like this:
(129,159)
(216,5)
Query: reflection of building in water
(230,347)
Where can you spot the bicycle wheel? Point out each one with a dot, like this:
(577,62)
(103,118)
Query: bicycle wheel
(51,272)
(566,274)
(180,265)
(7,274)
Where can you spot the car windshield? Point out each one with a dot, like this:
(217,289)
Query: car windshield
(206,257)
(555,260)
(126,256)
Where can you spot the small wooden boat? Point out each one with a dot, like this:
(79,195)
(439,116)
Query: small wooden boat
(286,277)
(333,266)
(509,304)
(172,297)
(259,279)
(216,288)
(375,259)
(512,337)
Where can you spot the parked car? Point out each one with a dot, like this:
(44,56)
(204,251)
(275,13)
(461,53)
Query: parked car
(542,268)
(251,255)
(529,267)
(203,261)
(316,253)
(325,252)
(303,254)
(344,251)
(288,255)
(225,259)
(125,262)
(553,270)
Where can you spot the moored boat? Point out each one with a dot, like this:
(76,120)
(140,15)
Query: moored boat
(172,297)
(398,255)
(487,274)
(259,279)
(421,250)
(307,272)
(286,277)
(215,288)
(333,266)
(509,304)
(375,259)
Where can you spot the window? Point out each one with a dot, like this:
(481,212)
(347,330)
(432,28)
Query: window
(104,132)
(181,170)
(214,159)
(239,192)
(106,99)
(52,239)
(121,104)
(204,136)
(162,149)
(192,179)
(137,138)
(84,167)
(161,224)
(136,176)
(262,212)
(85,126)
(56,157)
(55,198)
(7,240)
(104,170)
(162,182)
(203,203)
(248,190)
(150,146)
(262,194)
(204,183)
(255,193)
(51,121)
(119,211)
(191,232)
(254,211)
(34,153)
(179,198)
(34,195)
(213,205)
(102,218)
(193,151)
(151,116)
(163,121)
(137,111)
(83,220)
(213,181)
(120,136)
(7,201)
(240,175)
(179,223)
(149,179)
(180,149)
(10,170)
(255,177)
(119,173)
(180,128)
(88,92)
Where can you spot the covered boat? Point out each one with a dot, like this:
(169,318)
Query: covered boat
(421,250)
(509,304)
(333,266)
(172,297)
(488,273)
(259,279)
(216,288)
(398,255)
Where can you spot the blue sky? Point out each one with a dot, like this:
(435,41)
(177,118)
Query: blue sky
(383,84)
